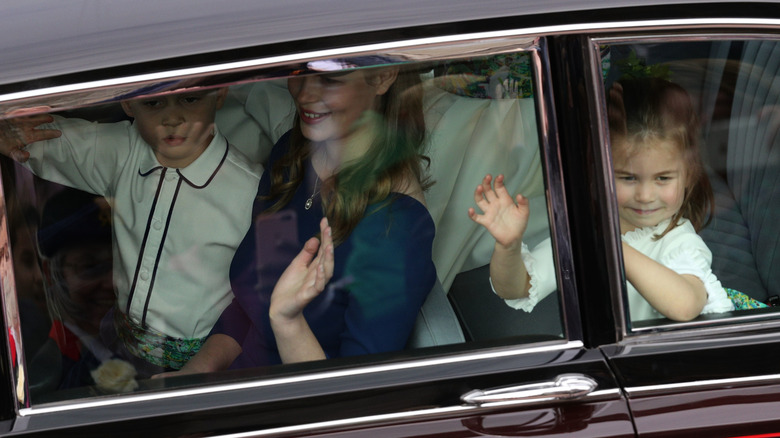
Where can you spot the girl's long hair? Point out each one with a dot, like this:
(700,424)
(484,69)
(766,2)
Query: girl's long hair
(650,110)
(395,154)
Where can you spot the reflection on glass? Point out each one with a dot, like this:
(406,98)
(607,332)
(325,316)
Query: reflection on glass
(74,241)
(204,245)
(692,127)
(492,99)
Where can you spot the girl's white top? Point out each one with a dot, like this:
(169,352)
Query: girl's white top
(681,250)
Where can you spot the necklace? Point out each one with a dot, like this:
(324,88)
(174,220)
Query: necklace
(310,201)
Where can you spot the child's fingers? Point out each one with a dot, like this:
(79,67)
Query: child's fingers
(32,110)
(479,194)
(20,155)
(34,135)
(473,215)
(38,119)
(487,188)
(499,186)
(478,218)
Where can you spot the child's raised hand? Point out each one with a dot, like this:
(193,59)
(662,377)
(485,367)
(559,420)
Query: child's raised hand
(505,218)
(17,133)
(304,278)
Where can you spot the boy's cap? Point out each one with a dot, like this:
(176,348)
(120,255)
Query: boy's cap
(72,217)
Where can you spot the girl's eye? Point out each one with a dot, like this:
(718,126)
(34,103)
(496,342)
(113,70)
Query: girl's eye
(190,99)
(627,178)
(664,178)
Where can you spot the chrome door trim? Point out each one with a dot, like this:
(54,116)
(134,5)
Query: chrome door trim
(370,369)
(458,411)
(702,385)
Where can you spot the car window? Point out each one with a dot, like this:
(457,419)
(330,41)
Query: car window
(203,249)
(675,107)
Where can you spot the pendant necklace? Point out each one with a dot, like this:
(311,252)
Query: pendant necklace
(310,201)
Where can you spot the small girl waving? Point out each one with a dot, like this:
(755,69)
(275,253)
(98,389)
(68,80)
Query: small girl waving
(663,197)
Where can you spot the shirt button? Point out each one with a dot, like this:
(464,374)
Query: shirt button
(144,275)
(170,176)
(157,224)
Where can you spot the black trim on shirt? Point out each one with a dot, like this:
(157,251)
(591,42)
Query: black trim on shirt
(221,162)
(146,235)
(165,231)
(159,253)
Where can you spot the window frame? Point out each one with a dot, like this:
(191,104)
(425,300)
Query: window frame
(744,321)
(79,95)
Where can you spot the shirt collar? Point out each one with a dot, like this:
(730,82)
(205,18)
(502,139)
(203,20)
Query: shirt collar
(200,172)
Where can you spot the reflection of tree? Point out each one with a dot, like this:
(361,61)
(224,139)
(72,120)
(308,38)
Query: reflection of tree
(634,67)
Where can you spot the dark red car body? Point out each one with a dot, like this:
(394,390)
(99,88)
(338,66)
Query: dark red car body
(708,379)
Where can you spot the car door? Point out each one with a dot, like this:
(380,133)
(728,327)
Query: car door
(472,371)
(715,375)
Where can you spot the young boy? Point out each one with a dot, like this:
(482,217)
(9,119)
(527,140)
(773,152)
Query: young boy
(181,202)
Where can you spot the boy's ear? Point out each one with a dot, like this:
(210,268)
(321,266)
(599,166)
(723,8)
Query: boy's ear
(127,108)
(385,78)
(221,95)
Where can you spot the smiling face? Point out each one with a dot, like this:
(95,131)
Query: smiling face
(650,182)
(330,105)
(178,127)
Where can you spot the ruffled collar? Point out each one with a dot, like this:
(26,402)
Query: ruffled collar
(640,234)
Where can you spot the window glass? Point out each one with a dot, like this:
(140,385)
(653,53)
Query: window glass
(694,141)
(182,232)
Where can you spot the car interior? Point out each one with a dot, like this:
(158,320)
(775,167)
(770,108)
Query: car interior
(744,156)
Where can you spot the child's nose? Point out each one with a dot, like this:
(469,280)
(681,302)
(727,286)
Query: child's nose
(173,116)
(645,192)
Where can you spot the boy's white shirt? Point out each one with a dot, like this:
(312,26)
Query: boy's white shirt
(189,283)
(681,250)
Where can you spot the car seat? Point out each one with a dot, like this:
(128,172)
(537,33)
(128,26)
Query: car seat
(744,235)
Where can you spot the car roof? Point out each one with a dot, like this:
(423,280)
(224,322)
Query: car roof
(49,38)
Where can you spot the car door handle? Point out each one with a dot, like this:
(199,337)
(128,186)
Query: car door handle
(565,387)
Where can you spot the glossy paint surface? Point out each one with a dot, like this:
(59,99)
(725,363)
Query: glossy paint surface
(83,35)
(726,387)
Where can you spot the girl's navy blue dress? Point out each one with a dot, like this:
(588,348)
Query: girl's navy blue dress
(382,275)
